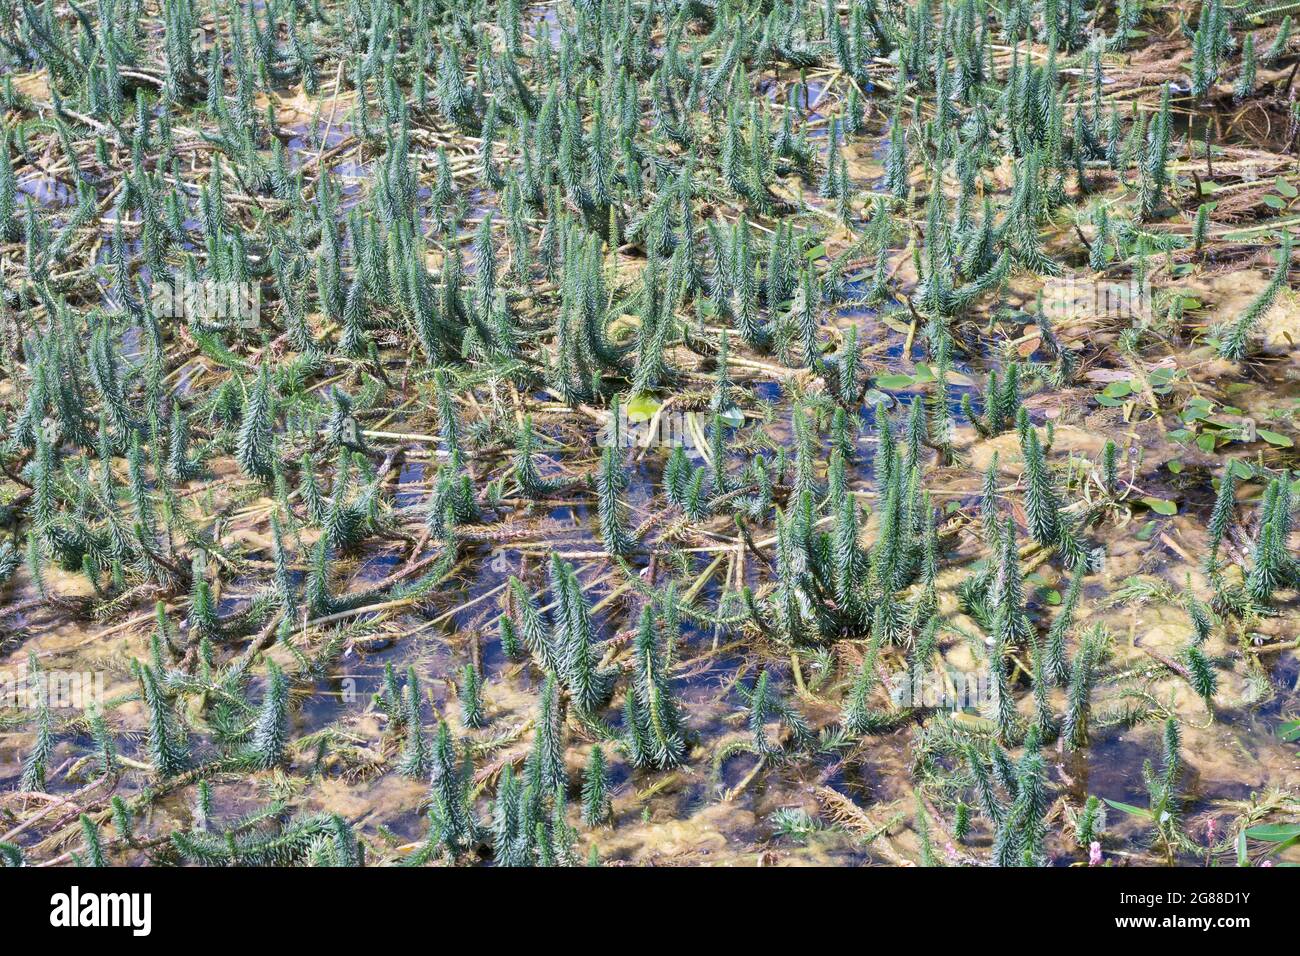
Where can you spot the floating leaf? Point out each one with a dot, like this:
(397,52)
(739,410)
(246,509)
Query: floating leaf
(1129,808)
(895,381)
(1274,832)
(732,416)
(642,408)
(1162,377)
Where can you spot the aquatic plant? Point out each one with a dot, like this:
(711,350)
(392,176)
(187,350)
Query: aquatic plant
(270,733)
(596,807)
(732,368)
(655,735)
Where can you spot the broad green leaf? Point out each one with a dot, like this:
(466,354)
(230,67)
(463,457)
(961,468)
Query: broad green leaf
(642,408)
(733,416)
(1129,808)
(1274,832)
(895,381)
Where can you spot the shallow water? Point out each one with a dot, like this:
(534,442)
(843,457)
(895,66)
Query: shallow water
(725,805)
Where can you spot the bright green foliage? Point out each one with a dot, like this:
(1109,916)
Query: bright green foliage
(596,807)
(1221,517)
(271,731)
(1042,506)
(1201,674)
(531,484)
(256,447)
(1083,675)
(611,479)
(94,849)
(1021,831)
(1056,669)
(573,641)
(471,698)
(507,230)
(653,722)
(1165,801)
(1087,826)
(511,844)
(37,762)
(1209,43)
(857,716)
(548,740)
(452,824)
(415,752)
(1110,467)
(1272,565)
(1234,338)
(765,705)
(167,748)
